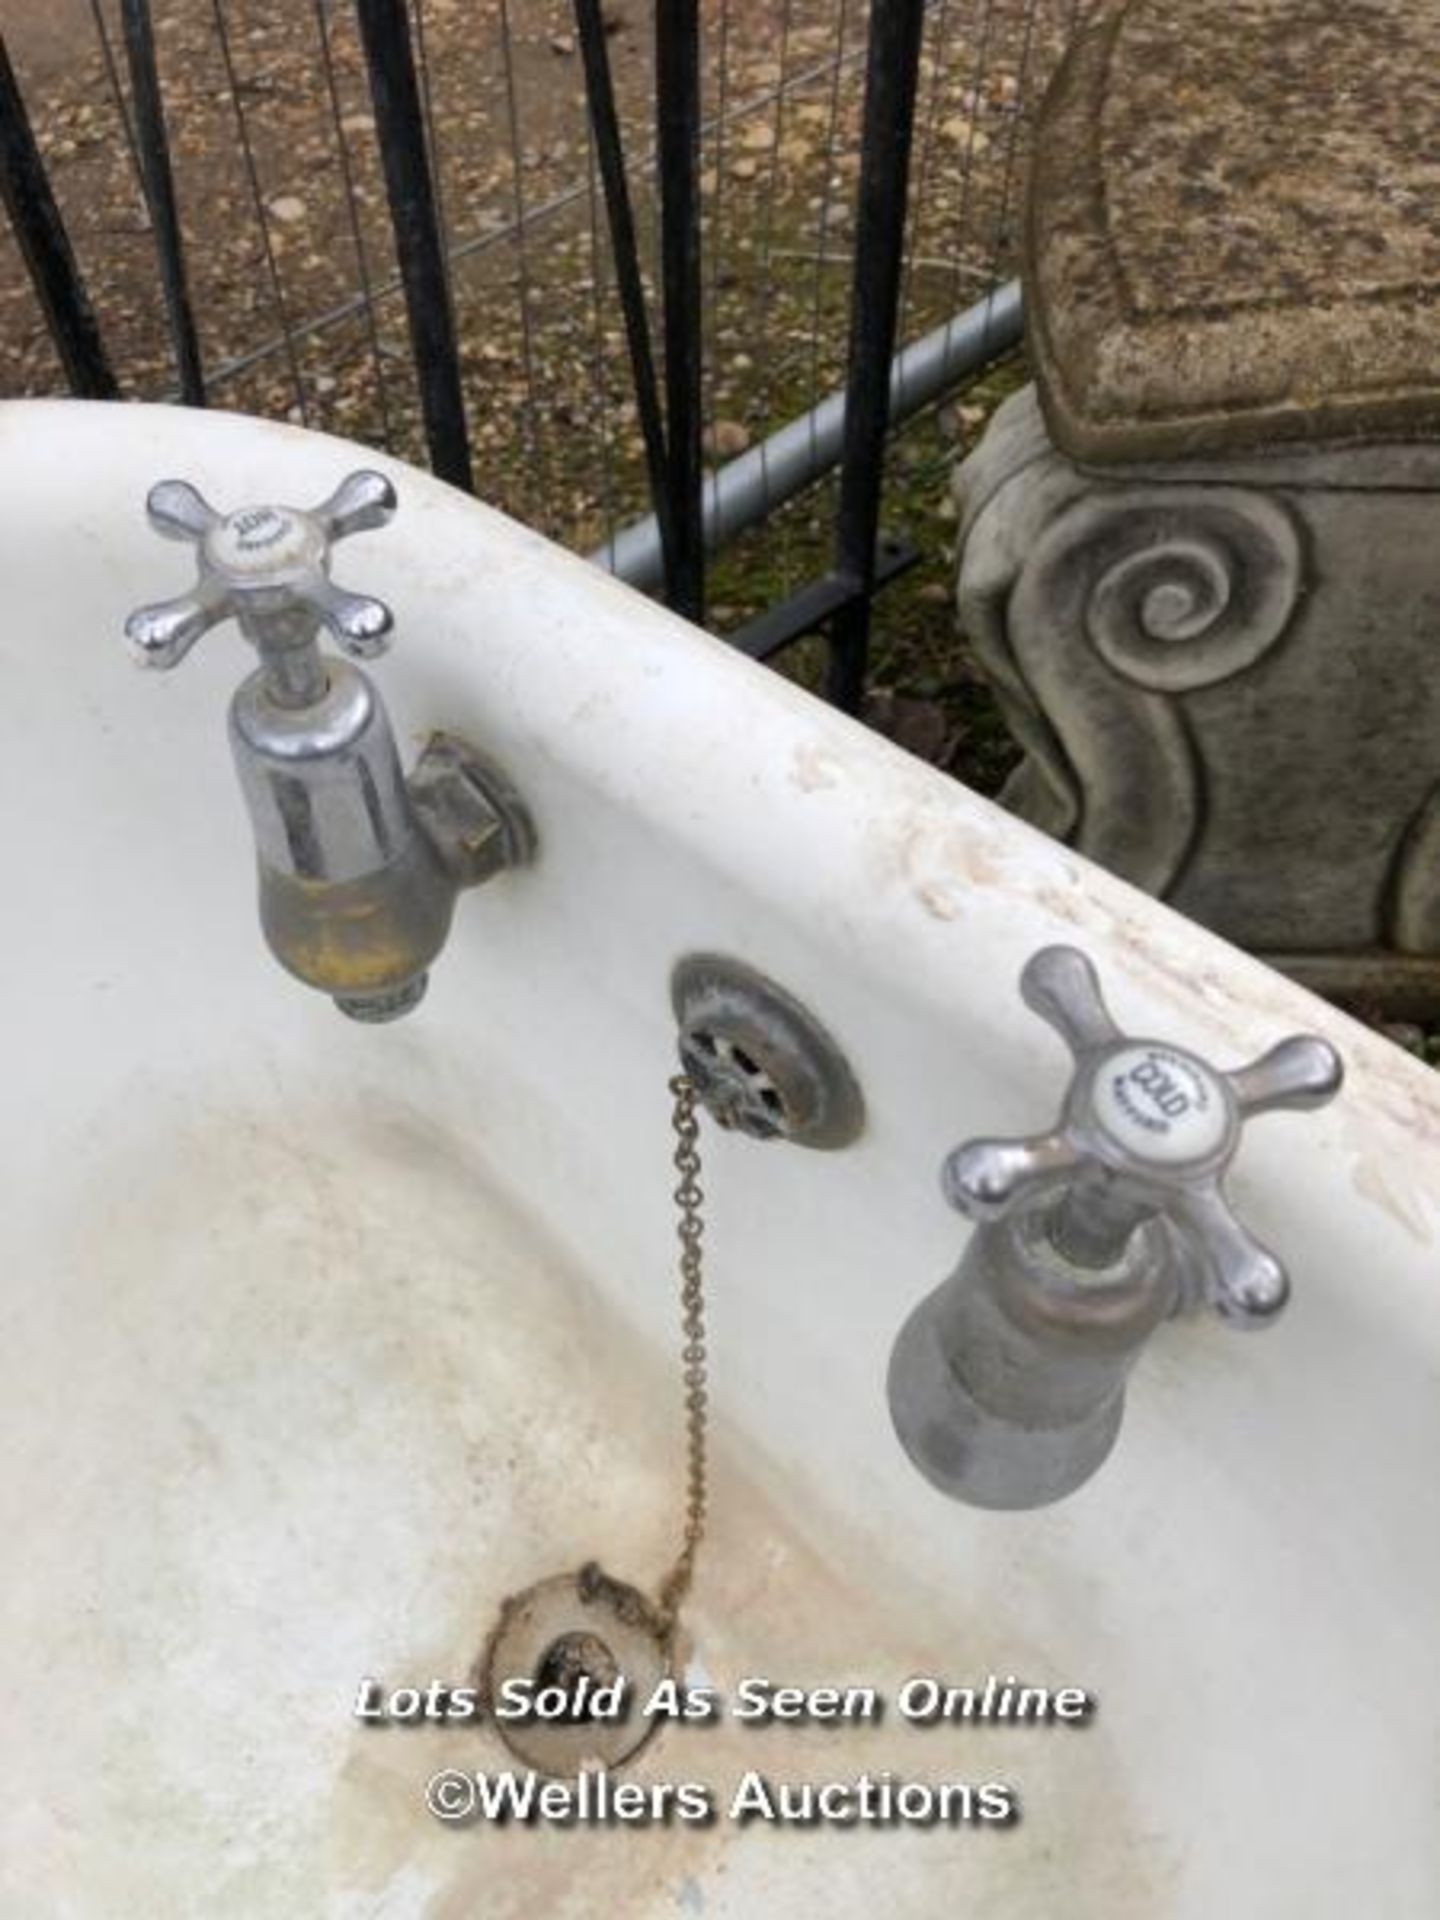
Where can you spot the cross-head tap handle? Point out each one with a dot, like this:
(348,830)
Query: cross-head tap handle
(268,567)
(1146,1128)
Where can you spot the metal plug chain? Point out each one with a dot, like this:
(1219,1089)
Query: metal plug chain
(690,1228)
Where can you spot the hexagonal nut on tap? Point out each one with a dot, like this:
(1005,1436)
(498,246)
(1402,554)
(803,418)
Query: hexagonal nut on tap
(1147,1129)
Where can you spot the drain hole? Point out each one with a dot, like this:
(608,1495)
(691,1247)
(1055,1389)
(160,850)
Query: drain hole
(571,1635)
(772,1102)
(743,1060)
(705,1042)
(572,1659)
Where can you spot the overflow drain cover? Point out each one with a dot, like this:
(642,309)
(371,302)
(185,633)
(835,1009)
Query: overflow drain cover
(582,1654)
(759,1060)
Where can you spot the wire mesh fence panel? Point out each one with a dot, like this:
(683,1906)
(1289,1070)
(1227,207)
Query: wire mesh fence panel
(296,287)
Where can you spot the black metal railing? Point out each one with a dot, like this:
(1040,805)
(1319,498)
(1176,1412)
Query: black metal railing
(400,129)
(153,143)
(45,247)
(666,303)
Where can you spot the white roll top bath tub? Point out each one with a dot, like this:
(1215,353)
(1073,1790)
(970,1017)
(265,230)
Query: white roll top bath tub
(321,1339)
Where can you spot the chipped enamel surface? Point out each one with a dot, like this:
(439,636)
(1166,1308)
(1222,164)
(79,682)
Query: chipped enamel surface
(322,1339)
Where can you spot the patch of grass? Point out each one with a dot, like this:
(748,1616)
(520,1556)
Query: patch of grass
(926,689)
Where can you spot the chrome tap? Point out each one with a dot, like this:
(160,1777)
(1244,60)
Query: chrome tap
(1007,1384)
(359,868)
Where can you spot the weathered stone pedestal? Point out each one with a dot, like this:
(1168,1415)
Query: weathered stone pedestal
(1201,556)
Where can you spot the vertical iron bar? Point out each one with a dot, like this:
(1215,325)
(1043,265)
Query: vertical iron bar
(605,125)
(389,58)
(45,246)
(677,95)
(891,75)
(600,421)
(160,195)
(714,273)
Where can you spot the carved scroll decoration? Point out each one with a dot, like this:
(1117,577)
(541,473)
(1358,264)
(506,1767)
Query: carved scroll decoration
(1125,598)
